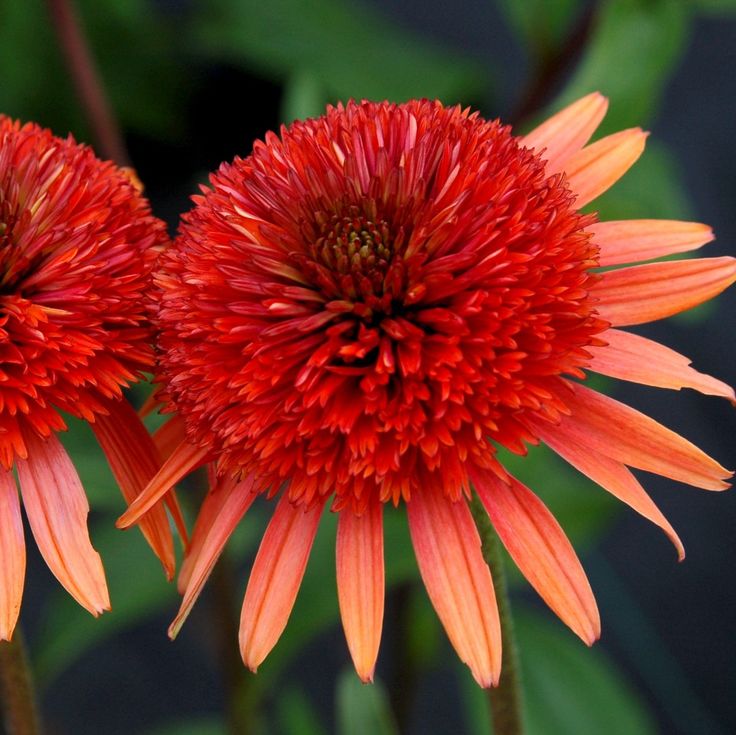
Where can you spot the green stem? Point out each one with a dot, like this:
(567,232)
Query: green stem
(17,697)
(506,698)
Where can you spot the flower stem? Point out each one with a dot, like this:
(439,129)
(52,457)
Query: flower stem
(17,698)
(505,699)
(87,82)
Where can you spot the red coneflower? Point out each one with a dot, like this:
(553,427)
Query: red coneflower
(369,305)
(77,245)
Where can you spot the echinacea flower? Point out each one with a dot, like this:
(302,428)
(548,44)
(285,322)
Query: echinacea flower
(77,246)
(368,306)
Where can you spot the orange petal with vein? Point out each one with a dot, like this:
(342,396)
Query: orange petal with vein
(57,510)
(645,293)
(564,134)
(600,165)
(541,550)
(230,503)
(636,240)
(626,435)
(458,581)
(12,555)
(275,579)
(360,584)
(640,360)
(184,459)
(134,460)
(611,475)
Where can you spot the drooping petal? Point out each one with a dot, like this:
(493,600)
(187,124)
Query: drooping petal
(608,473)
(232,501)
(12,555)
(640,360)
(275,579)
(636,240)
(133,459)
(169,436)
(644,293)
(541,550)
(360,584)
(564,134)
(628,436)
(183,460)
(458,581)
(600,165)
(57,510)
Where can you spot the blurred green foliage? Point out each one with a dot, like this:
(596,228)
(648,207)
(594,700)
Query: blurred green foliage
(152,57)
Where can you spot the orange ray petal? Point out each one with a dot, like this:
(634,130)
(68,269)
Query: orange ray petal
(360,584)
(541,550)
(169,436)
(232,501)
(640,360)
(458,581)
(635,240)
(600,165)
(626,435)
(57,510)
(12,555)
(275,579)
(564,134)
(644,293)
(608,473)
(133,459)
(184,459)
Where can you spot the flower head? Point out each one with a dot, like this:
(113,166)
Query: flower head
(77,245)
(369,305)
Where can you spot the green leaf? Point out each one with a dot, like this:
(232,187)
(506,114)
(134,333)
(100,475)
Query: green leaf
(633,51)
(349,47)
(138,591)
(303,97)
(715,7)
(297,715)
(209,726)
(567,688)
(541,25)
(363,709)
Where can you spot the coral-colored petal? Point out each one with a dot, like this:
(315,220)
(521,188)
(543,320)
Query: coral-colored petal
(458,581)
(57,510)
(541,550)
(231,501)
(12,555)
(564,134)
(600,165)
(644,293)
(183,460)
(360,584)
(626,435)
(640,360)
(169,436)
(275,579)
(636,240)
(133,459)
(608,473)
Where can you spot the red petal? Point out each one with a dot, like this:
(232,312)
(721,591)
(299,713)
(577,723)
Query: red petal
(360,584)
(275,579)
(635,240)
(541,550)
(622,433)
(608,473)
(565,133)
(644,293)
(57,511)
(184,459)
(12,555)
(631,357)
(458,581)
(169,436)
(226,505)
(134,460)
(600,165)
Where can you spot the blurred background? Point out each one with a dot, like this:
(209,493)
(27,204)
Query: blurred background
(193,84)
